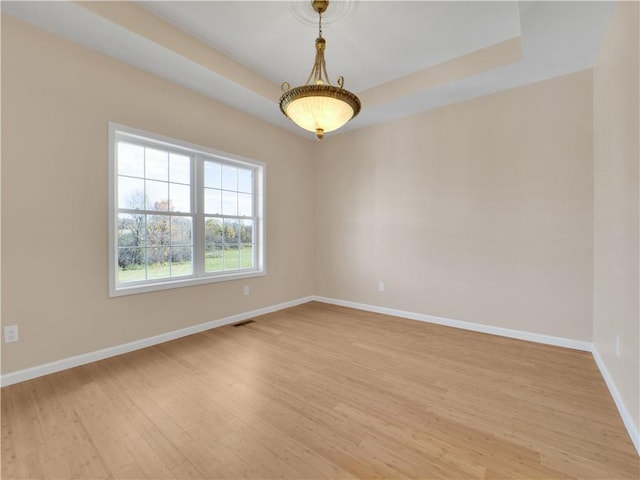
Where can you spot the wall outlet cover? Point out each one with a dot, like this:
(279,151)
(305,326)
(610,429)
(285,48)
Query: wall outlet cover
(11,334)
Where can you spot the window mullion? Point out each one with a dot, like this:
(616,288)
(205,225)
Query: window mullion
(198,208)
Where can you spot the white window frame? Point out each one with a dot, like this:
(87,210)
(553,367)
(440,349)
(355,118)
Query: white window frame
(198,154)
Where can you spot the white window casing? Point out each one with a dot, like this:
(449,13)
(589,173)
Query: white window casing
(181,214)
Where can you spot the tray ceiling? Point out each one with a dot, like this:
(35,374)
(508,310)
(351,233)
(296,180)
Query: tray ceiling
(399,57)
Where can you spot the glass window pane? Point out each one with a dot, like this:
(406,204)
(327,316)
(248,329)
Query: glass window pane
(181,261)
(229,178)
(212,174)
(212,201)
(246,231)
(213,231)
(181,231)
(179,168)
(213,258)
(157,195)
(158,230)
(245,205)
(130,160)
(179,198)
(130,193)
(246,255)
(231,257)
(158,262)
(229,203)
(245,180)
(230,232)
(131,230)
(156,164)
(131,264)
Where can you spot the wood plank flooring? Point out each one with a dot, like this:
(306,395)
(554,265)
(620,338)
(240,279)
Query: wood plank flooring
(319,391)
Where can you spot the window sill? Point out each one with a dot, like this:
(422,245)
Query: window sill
(188,282)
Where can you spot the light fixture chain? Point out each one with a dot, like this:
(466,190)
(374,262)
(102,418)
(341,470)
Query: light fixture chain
(321,65)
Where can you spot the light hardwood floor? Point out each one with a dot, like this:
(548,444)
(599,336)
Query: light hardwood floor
(320,391)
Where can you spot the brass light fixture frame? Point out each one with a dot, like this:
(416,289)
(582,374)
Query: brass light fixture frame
(318,83)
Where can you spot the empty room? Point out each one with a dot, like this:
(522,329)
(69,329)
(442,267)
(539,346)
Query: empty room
(311,239)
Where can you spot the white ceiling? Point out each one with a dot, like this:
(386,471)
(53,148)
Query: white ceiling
(370,43)
(367,47)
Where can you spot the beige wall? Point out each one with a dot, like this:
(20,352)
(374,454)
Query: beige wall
(57,99)
(479,211)
(616,205)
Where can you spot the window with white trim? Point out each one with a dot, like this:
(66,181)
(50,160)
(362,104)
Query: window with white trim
(181,214)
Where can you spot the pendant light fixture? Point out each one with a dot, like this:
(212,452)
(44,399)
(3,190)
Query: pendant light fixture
(319,106)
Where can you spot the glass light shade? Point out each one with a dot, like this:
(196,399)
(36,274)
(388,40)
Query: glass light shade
(325,113)
(319,108)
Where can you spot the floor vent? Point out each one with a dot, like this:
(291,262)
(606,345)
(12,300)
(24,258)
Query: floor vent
(246,322)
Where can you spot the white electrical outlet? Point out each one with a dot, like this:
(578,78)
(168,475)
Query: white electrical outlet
(618,347)
(381,286)
(246,290)
(11,334)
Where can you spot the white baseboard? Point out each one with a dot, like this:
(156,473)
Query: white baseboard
(476,327)
(83,359)
(632,428)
